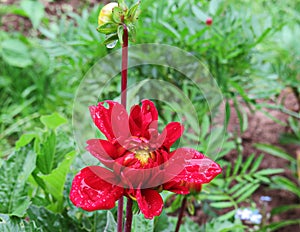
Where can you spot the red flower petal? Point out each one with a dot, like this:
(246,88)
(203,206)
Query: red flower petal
(91,192)
(175,187)
(149,202)
(103,150)
(173,132)
(135,120)
(198,170)
(149,115)
(143,120)
(111,121)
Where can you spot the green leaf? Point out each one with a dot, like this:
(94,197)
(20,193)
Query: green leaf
(237,165)
(111,225)
(48,221)
(140,224)
(111,38)
(221,205)
(14,224)
(107,28)
(55,181)
(134,12)
(204,126)
(284,208)
(24,140)
(227,114)
(248,193)
(13,176)
(270,171)
(275,151)
(117,14)
(120,33)
(16,53)
(171,29)
(247,164)
(199,13)
(287,184)
(46,152)
(34,10)
(53,121)
(256,164)
(277,225)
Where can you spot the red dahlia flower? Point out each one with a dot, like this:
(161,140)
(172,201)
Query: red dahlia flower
(138,160)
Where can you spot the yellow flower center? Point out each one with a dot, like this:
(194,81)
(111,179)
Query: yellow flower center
(142,156)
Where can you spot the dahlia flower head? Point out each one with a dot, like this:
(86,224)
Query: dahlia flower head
(137,161)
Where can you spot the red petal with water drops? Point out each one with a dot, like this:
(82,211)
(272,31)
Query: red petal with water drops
(199,169)
(103,150)
(90,190)
(104,117)
(149,202)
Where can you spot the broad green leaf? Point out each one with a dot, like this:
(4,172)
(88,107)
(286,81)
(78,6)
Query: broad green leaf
(111,225)
(13,176)
(53,121)
(275,151)
(16,53)
(140,224)
(55,181)
(24,140)
(34,10)
(46,152)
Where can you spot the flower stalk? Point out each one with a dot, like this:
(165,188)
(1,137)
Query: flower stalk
(180,215)
(123,102)
(128,215)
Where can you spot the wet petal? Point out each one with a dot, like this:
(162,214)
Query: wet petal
(104,118)
(149,202)
(149,115)
(199,169)
(103,150)
(172,132)
(90,190)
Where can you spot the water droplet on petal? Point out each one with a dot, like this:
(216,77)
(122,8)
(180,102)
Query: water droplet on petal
(112,44)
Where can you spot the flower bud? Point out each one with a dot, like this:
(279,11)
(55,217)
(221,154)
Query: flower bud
(209,21)
(193,187)
(105,14)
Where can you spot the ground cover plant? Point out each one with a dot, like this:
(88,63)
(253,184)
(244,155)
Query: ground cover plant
(250,48)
